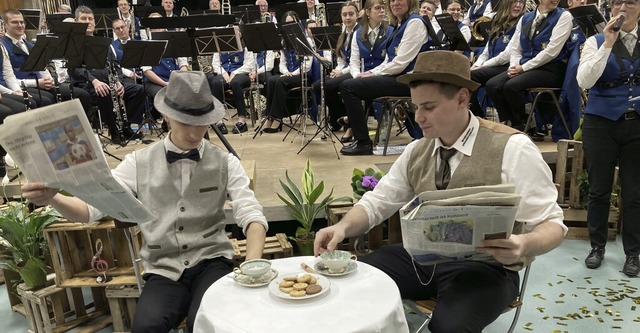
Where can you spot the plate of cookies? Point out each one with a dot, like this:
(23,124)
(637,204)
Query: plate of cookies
(299,286)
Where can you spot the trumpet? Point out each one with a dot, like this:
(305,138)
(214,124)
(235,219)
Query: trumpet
(266,17)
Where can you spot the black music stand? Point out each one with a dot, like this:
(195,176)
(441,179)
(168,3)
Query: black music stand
(450,29)
(104,19)
(41,53)
(178,43)
(144,11)
(247,13)
(216,40)
(299,7)
(431,31)
(72,38)
(589,19)
(31,18)
(135,54)
(55,19)
(260,37)
(333,12)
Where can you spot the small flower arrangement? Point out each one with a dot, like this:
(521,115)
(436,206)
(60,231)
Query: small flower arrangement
(364,181)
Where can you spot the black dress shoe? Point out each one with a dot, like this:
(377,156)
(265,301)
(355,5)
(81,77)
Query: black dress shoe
(342,122)
(240,128)
(222,127)
(595,257)
(360,147)
(631,266)
(346,139)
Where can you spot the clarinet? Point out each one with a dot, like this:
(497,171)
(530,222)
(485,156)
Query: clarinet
(56,85)
(118,104)
(25,97)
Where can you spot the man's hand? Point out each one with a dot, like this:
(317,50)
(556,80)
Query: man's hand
(327,239)
(473,68)
(287,74)
(252,76)
(101,88)
(610,36)
(514,71)
(46,83)
(231,77)
(120,89)
(335,73)
(365,74)
(506,251)
(38,194)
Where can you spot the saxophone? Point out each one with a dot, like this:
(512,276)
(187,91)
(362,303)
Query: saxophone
(118,104)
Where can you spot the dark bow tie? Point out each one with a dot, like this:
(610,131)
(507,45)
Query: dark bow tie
(192,154)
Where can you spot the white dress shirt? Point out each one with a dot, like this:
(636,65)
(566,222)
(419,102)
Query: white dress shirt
(306,64)
(8,74)
(340,61)
(415,35)
(245,207)
(355,62)
(248,64)
(559,35)
(522,165)
(500,59)
(488,12)
(593,60)
(180,62)
(268,62)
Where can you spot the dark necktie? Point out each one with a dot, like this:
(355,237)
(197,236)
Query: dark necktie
(192,154)
(443,174)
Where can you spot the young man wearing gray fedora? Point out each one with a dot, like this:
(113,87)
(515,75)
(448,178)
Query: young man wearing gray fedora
(184,180)
(458,150)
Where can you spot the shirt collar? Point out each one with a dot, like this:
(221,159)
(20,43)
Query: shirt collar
(633,32)
(169,146)
(14,40)
(465,142)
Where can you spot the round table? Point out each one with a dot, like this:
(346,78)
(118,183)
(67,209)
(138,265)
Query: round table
(364,301)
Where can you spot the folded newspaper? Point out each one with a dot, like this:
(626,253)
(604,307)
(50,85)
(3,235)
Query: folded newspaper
(447,225)
(56,145)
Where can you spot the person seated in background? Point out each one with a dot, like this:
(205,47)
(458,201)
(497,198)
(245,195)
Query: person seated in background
(538,59)
(121,31)
(495,57)
(11,92)
(185,249)
(455,10)
(427,8)
(124,9)
(479,8)
(473,151)
(264,8)
(214,5)
(168,6)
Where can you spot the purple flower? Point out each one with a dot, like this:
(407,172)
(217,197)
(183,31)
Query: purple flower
(369,182)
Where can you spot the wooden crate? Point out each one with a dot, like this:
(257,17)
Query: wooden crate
(576,221)
(53,309)
(72,246)
(387,232)
(277,246)
(12,279)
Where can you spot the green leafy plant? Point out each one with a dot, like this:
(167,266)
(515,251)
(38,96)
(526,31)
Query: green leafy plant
(305,205)
(583,184)
(26,250)
(364,181)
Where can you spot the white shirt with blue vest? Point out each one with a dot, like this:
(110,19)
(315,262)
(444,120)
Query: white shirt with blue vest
(407,40)
(364,56)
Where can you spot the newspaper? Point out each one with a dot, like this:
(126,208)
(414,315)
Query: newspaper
(56,145)
(447,225)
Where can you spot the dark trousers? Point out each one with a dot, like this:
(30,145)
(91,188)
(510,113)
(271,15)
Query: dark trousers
(151,89)
(609,143)
(237,84)
(134,96)
(470,295)
(354,91)
(482,75)
(164,303)
(41,96)
(80,94)
(278,87)
(15,103)
(332,98)
(507,93)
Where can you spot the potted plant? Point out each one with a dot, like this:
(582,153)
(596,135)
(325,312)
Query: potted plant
(25,246)
(364,181)
(305,205)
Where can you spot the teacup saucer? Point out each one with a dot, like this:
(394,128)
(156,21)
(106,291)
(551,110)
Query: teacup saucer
(247,281)
(351,267)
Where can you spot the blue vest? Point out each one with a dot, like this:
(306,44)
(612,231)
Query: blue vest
(372,58)
(117,47)
(499,43)
(165,67)
(394,42)
(613,102)
(260,59)
(17,58)
(2,80)
(531,48)
(345,51)
(473,16)
(292,60)
(231,60)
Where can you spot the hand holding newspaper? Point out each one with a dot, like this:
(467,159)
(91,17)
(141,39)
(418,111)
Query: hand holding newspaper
(56,146)
(447,225)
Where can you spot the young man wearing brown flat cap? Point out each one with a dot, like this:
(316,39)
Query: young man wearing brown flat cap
(184,180)
(458,150)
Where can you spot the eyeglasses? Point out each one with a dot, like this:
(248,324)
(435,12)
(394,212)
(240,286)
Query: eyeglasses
(120,27)
(629,3)
(378,7)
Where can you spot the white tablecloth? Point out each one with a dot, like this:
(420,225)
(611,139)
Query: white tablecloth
(366,301)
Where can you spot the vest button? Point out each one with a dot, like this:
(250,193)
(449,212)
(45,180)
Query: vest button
(180,228)
(184,247)
(186,262)
(182,209)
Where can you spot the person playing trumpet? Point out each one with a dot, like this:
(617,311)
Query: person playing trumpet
(126,14)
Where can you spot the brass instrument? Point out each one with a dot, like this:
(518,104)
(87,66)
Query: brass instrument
(205,63)
(118,104)
(266,17)
(476,28)
(184,11)
(132,22)
(530,5)
(225,7)
(321,15)
(254,100)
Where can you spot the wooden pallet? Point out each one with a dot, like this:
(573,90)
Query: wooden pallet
(277,246)
(576,221)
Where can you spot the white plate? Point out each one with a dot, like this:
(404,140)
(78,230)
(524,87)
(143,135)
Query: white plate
(352,266)
(246,281)
(274,286)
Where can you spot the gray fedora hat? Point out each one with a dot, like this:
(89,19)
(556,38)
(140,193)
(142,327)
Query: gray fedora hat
(441,66)
(187,99)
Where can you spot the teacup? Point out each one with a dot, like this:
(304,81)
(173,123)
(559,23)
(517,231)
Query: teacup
(336,261)
(254,268)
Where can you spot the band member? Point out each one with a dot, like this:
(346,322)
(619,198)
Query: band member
(409,37)
(495,56)
(264,8)
(348,13)
(611,131)
(131,21)
(478,9)
(167,5)
(538,54)
(311,8)
(214,5)
(428,8)
(96,82)
(265,61)
(13,95)
(455,10)
(121,31)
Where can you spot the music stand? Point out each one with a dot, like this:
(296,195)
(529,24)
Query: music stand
(136,54)
(178,43)
(247,13)
(216,40)
(104,19)
(72,36)
(589,19)
(55,19)
(299,7)
(333,11)
(431,31)
(144,11)
(450,29)
(31,18)
(41,53)
(260,37)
